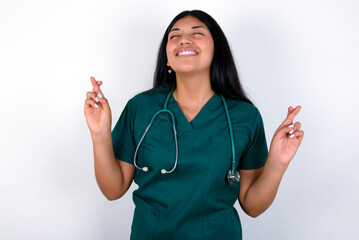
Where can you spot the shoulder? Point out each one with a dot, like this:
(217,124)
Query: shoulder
(243,110)
(148,98)
(246,116)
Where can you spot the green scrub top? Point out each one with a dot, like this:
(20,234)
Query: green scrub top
(195,201)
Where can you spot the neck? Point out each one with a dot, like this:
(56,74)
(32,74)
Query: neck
(193,89)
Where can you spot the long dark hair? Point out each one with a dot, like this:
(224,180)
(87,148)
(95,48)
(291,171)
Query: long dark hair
(223,72)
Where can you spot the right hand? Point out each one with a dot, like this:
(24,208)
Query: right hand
(98,119)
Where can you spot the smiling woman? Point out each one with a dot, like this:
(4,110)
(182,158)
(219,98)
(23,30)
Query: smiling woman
(194,143)
(190,47)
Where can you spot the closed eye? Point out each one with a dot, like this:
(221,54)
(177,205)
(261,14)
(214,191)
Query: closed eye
(193,34)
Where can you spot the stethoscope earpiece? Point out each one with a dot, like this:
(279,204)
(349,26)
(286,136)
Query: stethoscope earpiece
(163,171)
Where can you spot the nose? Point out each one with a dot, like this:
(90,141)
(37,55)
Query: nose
(185,40)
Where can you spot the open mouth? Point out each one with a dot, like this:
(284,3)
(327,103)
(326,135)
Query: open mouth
(187,53)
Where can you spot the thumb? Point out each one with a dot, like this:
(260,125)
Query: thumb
(104,102)
(285,131)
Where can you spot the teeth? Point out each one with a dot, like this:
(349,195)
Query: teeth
(187,53)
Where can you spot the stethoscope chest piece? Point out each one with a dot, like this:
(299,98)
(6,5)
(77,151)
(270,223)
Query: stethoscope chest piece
(233,176)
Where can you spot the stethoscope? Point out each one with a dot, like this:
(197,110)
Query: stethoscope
(232,174)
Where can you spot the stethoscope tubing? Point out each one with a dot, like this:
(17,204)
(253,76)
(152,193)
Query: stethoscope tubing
(231,172)
(230,132)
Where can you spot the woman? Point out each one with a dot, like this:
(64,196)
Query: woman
(189,183)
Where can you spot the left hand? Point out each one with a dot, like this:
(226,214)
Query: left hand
(283,147)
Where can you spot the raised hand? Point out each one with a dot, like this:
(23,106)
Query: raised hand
(97,110)
(286,140)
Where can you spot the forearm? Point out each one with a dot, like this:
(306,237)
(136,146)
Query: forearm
(262,192)
(107,169)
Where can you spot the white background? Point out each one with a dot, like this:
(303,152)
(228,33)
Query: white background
(287,52)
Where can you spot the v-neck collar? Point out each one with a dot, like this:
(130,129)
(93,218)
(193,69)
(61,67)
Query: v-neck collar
(203,114)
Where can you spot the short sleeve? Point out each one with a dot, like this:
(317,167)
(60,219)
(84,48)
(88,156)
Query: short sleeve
(256,153)
(122,136)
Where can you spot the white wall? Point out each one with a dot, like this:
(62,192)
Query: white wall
(288,53)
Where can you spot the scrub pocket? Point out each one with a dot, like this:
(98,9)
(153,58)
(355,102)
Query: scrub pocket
(223,227)
(145,220)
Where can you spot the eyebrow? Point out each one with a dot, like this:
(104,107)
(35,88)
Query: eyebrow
(194,27)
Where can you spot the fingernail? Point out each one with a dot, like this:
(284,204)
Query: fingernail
(100,95)
(291,136)
(290,126)
(96,99)
(291,131)
(96,105)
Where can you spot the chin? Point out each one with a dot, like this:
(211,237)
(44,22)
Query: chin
(189,69)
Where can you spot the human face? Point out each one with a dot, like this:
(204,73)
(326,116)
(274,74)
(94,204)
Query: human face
(190,46)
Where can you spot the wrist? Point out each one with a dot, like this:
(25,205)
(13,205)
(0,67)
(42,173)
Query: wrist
(275,165)
(101,136)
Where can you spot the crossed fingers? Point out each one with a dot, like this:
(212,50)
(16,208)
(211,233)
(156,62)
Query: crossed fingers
(92,97)
(292,129)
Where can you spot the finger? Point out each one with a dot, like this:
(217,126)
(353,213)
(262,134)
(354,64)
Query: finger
(99,83)
(300,135)
(294,129)
(286,131)
(290,109)
(291,116)
(93,81)
(90,103)
(297,134)
(96,87)
(297,126)
(92,95)
(104,103)
(289,130)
